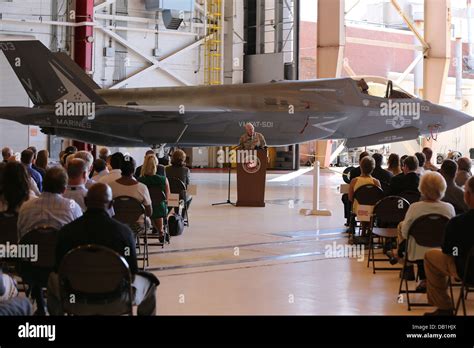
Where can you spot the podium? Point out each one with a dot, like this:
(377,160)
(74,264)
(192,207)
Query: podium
(251,179)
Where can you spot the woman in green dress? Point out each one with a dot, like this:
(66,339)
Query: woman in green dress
(151,179)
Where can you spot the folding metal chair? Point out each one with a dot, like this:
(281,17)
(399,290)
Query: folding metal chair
(467,282)
(179,187)
(426,231)
(157,198)
(388,213)
(8,234)
(128,210)
(95,280)
(411,196)
(35,272)
(365,195)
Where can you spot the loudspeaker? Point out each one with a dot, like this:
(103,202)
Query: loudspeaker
(171,19)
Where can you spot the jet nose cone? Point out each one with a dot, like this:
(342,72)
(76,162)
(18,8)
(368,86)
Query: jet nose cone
(453,119)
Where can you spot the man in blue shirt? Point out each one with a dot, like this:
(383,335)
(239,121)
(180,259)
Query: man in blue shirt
(27,160)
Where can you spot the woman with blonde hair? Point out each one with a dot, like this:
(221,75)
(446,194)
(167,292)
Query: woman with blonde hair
(149,177)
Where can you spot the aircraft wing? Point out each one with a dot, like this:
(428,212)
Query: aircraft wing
(24,115)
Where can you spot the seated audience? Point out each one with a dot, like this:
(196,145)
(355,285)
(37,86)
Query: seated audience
(367,166)
(178,167)
(76,188)
(394,164)
(178,170)
(429,156)
(381,174)
(150,178)
(409,180)
(51,208)
(354,173)
(451,260)
(34,166)
(464,171)
(70,150)
(104,153)
(14,187)
(96,227)
(89,159)
(421,162)
(7,152)
(100,169)
(432,188)
(42,160)
(454,194)
(116,161)
(160,170)
(128,186)
(27,160)
(10,303)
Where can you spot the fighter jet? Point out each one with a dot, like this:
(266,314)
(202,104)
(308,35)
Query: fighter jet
(68,103)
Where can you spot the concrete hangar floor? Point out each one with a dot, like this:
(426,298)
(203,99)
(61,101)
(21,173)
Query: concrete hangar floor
(272,260)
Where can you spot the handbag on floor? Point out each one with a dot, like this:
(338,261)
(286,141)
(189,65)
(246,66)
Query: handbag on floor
(175,224)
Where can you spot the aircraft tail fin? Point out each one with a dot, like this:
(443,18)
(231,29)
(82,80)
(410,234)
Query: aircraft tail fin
(48,77)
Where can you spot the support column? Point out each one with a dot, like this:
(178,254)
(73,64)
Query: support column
(331,38)
(331,41)
(437,58)
(83,46)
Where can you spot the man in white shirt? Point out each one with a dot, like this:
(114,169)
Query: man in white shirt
(100,169)
(76,189)
(51,209)
(89,159)
(116,161)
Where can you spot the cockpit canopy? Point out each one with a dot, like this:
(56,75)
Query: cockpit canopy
(381,87)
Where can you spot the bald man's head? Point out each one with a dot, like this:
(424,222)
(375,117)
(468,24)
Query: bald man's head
(99,196)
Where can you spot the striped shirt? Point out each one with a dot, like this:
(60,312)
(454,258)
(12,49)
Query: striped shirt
(49,210)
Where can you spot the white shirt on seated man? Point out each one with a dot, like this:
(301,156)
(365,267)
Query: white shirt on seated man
(50,209)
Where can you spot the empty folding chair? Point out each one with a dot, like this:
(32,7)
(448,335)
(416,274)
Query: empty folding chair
(129,210)
(95,280)
(388,213)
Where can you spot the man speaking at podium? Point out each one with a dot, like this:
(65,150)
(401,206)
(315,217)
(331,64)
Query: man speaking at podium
(252,140)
